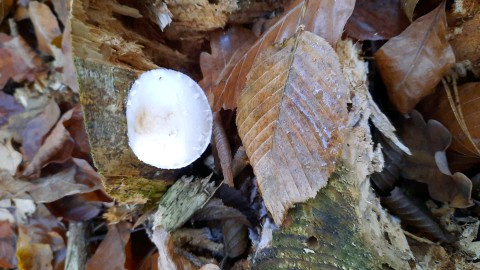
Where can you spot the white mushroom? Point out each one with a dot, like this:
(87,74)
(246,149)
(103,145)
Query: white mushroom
(169,119)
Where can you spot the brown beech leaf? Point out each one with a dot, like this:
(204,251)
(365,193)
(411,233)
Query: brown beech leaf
(37,128)
(376,19)
(112,249)
(46,26)
(427,164)
(235,238)
(8,107)
(325,18)
(469,102)
(291,118)
(414,62)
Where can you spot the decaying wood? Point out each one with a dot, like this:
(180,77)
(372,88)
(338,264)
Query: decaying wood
(76,246)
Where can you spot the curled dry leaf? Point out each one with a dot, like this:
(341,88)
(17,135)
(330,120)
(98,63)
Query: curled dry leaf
(421,51)
(222,149)
(291,118)
(31,254)
(427,164)
(412,215)
(235,238)
(9,157)
(79,207)
(46,26)
(216,210)
(376,20)
(386,179)
(112,249)
(325,18)
(409,8)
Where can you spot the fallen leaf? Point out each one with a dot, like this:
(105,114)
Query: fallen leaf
(37,128)
(325,18)
(221,148)
(410,214)
(210,267)
(5,7)
(235,238)
(77,178)
(8,107)
(409,7)
(291,117)
(32,255)
(57,147)
(112,249)
(7,246)
(419,52)
(46,26)
(77,207)
(69,71)
(376,20)
(202,239)
(216,210)
(427,164)
(9,157)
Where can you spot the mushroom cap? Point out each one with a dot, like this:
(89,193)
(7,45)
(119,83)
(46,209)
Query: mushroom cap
(169,120)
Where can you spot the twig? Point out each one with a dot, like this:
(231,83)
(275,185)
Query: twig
(76,246)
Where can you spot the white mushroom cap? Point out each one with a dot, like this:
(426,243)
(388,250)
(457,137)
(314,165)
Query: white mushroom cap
(169,119)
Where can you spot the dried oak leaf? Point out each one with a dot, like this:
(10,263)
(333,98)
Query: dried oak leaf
(427,164)
(325,18)
(112,249)
(413,63)
(46,26)
(376,20)
(291,119)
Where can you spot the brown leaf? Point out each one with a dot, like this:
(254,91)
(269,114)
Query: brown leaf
(78,207)
(322,17)
(58,145)
(112,248)
(376,19)
(9,157)
(69,71)
(235,238)
(32,255)
(419,52)
(216,210)
(5,7)
(17,60)
(409,7)
(291,118)
(46,26)
(427,164)
(7,245)
(8,107)
(38,128)
(469,102)
(222,149)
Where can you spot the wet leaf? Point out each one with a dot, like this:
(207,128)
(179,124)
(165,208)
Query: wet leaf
(376,19)
(235,238)
(47,30)
(8,107)
(291,117)
(419,52)
(325,18)
(427,164)
(111,249)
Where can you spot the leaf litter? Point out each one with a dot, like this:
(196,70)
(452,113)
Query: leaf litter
(50,167)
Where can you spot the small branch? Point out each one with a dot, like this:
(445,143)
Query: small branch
(76,246)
